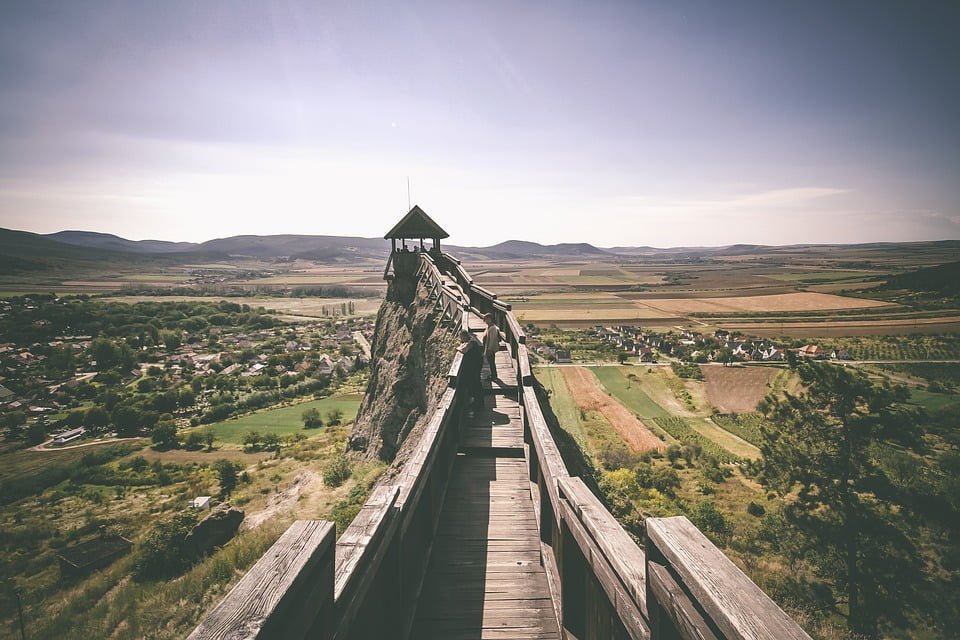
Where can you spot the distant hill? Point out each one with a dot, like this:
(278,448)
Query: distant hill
(22,250)
(94,240)
(523,249)
(943,279)
(320,248)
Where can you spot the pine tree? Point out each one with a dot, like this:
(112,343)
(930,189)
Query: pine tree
(819,451)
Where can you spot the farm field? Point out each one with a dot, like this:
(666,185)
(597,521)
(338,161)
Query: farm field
(589,397)
(737,389)
(284,420)
(845,328)
(310,307)
(800,301)
(562,403)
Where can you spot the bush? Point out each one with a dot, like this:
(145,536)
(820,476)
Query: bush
(710,519)
(311,418)
(337,471)
(756,509)
(162,554)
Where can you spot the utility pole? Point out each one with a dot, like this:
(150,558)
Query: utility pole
(23,633)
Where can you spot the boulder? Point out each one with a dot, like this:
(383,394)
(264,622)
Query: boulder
(215,530)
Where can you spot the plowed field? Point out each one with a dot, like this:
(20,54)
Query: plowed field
(587,394)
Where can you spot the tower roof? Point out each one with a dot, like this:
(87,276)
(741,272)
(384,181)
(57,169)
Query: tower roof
(416,224)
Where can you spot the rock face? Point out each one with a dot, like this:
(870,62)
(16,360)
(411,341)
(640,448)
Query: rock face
(214,530)
(411,356)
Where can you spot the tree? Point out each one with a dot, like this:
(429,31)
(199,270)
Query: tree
(36,433)
(334,417)
(97,418)
(819,448)
(252,439)
(311,418)
(164,435)
(226,476)
(209,437)
(194,441)
(271,442)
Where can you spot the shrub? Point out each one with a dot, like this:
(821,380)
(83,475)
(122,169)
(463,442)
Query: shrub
(337,471)
(162,554)
(755,509)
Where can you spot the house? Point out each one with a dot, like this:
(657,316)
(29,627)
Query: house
(201,503)
(774,354)
(563,356)
(810,351)
(69,436)
(841,354)
(325,365)
(646,355)
(5,394)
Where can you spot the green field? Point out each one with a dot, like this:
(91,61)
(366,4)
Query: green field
(285,420)
(725,439)
(628,392)
(563,406)
(936,402)
(26,462)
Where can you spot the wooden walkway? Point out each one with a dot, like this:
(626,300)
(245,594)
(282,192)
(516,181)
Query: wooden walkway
(485,579)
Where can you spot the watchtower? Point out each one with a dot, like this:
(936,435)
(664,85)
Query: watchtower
(416,225)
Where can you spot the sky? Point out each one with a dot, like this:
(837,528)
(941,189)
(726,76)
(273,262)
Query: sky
(636,123)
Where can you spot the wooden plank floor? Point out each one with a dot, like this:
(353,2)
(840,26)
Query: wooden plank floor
(485,580)
(496,426)
(506,373)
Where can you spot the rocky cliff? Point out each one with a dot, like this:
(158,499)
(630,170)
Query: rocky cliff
(410,358)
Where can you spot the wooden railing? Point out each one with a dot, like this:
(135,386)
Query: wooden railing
(602,583)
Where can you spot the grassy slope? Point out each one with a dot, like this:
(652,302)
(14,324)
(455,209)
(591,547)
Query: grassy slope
(628,392)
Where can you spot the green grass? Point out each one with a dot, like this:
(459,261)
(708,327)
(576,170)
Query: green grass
(563,405)
(283,421)
(725,439)
(943,373)
(744,425)
(628,392)
(681,429)
(26,462)
(936,402)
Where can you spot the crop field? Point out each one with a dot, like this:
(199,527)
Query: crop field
(680,429)
(308,307)
(629,391)
(845,328)
(800,301)
(945,347)
(743,425)
(737,389)
(942,373)
(283,421)
(589,397)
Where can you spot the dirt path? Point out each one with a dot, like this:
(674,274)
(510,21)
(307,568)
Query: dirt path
(44,447)
(588,396)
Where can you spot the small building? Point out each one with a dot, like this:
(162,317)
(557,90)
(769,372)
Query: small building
(69,436)
(201,503)
(563,355)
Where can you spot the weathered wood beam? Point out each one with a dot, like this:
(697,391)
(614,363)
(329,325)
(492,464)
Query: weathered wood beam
(286,594)
(737,606)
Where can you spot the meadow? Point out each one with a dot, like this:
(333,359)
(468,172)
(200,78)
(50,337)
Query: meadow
(283,421)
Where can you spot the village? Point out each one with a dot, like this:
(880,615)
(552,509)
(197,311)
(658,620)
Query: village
(194,362)
(623,342)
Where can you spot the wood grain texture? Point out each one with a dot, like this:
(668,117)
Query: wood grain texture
(485,578)
(283,593)
(738,607)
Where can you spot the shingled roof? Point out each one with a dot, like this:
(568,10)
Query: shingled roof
(416,224)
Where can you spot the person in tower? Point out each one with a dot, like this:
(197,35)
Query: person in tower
(491,344)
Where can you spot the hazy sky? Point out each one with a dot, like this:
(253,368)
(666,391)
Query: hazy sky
(617,123)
